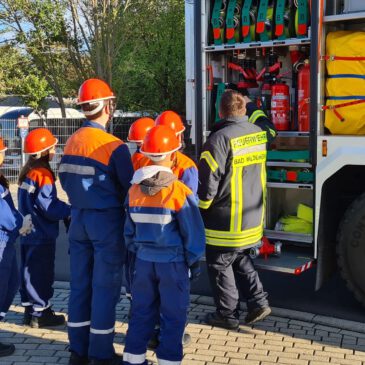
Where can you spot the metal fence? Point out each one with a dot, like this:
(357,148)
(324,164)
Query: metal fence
(62,130)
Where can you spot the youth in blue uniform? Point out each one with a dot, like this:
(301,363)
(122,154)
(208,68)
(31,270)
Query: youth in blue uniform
(37,196)
(95,172)
(165,230)
(11,224)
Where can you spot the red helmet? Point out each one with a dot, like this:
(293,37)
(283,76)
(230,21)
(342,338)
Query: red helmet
(3,148)
(172,120)
(38,141)
(93,91)
(139,129)
(159,142)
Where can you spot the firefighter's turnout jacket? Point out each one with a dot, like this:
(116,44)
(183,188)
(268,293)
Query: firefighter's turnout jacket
(258,117)
(232,184)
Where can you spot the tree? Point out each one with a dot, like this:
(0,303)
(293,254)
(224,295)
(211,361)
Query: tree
(150,72)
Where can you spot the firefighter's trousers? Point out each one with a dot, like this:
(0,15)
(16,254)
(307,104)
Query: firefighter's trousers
(9,277)
(97,255)
(231,272)
(158,290)
(37,275)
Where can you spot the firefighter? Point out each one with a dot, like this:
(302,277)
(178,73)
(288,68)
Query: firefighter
(95,172)
(232,184)
(136,134)
(165,230)
(37,196)
(12,224)
(258,117)
(183,167)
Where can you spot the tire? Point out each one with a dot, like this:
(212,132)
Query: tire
(351,248)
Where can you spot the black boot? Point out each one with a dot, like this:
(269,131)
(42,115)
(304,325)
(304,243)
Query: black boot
(116,360)
(216,320)
(48,318)
(27,318)
(257,314)
(6,349)
(77,360)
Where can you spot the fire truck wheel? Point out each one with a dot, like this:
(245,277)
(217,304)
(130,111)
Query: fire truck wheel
(351,248)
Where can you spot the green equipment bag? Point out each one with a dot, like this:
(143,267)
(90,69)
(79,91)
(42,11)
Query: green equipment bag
(264,20)
(218,21)
(345,84)
(248,20)
(233,22)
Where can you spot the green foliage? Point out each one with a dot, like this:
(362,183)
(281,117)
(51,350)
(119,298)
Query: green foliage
(150,73)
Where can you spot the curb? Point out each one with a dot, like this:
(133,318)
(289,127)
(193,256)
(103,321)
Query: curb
(347,327)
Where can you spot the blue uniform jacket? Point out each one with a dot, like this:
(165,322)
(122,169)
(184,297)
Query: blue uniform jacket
(166,227)
(37,195)
(10,219)
(96,168)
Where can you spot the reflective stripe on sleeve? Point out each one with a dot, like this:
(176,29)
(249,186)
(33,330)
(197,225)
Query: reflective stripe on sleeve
(134,359)
(77,169)
(5,193)
(167,362)
(205,204)
(29,188)
(212,163)
(78,324)
(256,115)
(2,314)
(151,218)
(101,332)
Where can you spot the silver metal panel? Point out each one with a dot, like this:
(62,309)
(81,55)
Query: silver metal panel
(344,17)
(287,262)
(190,67)
(288,164)
(292,134)
(280,185)
(287,236)
(284,43)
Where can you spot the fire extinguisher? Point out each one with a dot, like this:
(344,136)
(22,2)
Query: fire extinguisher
(280,106)
(304,97)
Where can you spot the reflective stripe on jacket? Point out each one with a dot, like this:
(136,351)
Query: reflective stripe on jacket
(166,227)
(184,168)
(96,168)
(10,219)
(232,184)
(37,195)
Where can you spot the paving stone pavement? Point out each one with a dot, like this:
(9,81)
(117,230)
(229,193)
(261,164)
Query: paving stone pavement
(286,337)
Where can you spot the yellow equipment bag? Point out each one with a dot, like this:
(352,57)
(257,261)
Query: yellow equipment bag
(345,85)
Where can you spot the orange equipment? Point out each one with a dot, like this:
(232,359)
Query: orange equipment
(139,128)
(159,142)
(94,91)
(172,120)
(38,141)
(3,148)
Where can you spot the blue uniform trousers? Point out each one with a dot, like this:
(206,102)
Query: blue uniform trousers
(97,254)
(129,272)
(37,275)
(9,277)
(159,290)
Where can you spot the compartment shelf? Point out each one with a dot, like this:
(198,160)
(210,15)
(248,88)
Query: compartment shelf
(289,262)
(344,17)
(253,45)
(292,134)
(288,236)
(288,164)
(282,185)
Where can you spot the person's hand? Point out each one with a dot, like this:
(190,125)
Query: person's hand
(27,226)
(194,271)
(247,99)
